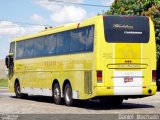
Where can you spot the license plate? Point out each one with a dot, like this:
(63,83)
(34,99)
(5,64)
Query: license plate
(128,79)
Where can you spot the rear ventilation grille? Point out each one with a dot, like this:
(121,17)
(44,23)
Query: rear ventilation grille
(88,82)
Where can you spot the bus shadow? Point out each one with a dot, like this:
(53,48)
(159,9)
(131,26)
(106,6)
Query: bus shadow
(98,106)
(35,98)
(92,105)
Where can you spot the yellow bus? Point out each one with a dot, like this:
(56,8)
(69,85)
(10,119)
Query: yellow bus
(110,58)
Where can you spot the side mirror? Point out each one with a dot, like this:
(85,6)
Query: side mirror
(7,61)
(11,60)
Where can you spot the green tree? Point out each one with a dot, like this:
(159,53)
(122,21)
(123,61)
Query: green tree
(149,8)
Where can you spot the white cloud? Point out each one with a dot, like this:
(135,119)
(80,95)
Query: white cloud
(38,19)
(69,14)
(33,29)
(10,29)
(51,6)
(63,13)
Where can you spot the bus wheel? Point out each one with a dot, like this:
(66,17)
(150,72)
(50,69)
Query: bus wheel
(18,91)
(69,101)
(57,94)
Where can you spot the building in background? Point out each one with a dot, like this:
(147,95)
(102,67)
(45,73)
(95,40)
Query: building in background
(2,69)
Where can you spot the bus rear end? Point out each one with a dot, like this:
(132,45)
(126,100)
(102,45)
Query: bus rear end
(126,61)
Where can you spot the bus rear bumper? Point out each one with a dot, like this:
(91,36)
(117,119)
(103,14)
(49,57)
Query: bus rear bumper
(119,91)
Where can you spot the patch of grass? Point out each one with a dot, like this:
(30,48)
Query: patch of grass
(3,83)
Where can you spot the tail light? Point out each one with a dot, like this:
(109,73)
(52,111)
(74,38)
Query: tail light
(153,75)
(99,76)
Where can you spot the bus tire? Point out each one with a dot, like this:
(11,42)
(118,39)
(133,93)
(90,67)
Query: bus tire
(57,94)
(18,91)
(69,101)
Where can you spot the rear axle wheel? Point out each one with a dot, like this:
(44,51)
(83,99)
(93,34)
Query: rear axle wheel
(69,101)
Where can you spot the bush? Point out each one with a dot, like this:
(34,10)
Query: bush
(3,83)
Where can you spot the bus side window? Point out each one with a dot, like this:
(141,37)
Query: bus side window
(39,47)
(89,38)
(29,48)
(78,40)
(50,45)
(20,50)
(12,48)
(63,40)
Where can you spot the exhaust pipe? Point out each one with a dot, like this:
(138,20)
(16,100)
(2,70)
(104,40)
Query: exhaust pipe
(149,91)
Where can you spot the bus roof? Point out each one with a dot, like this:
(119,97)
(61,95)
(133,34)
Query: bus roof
(70,26)
(51,30)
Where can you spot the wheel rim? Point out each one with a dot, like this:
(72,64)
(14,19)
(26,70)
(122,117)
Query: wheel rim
(68,94)
(56,93)
(18,89)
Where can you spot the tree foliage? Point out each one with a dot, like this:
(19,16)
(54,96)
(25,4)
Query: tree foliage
(149,8)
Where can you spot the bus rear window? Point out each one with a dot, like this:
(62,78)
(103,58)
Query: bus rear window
(126,29)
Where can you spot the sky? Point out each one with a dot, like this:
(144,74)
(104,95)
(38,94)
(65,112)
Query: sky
(22,17)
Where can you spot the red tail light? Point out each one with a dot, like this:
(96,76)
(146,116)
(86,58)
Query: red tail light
(99,76)
(153,75)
